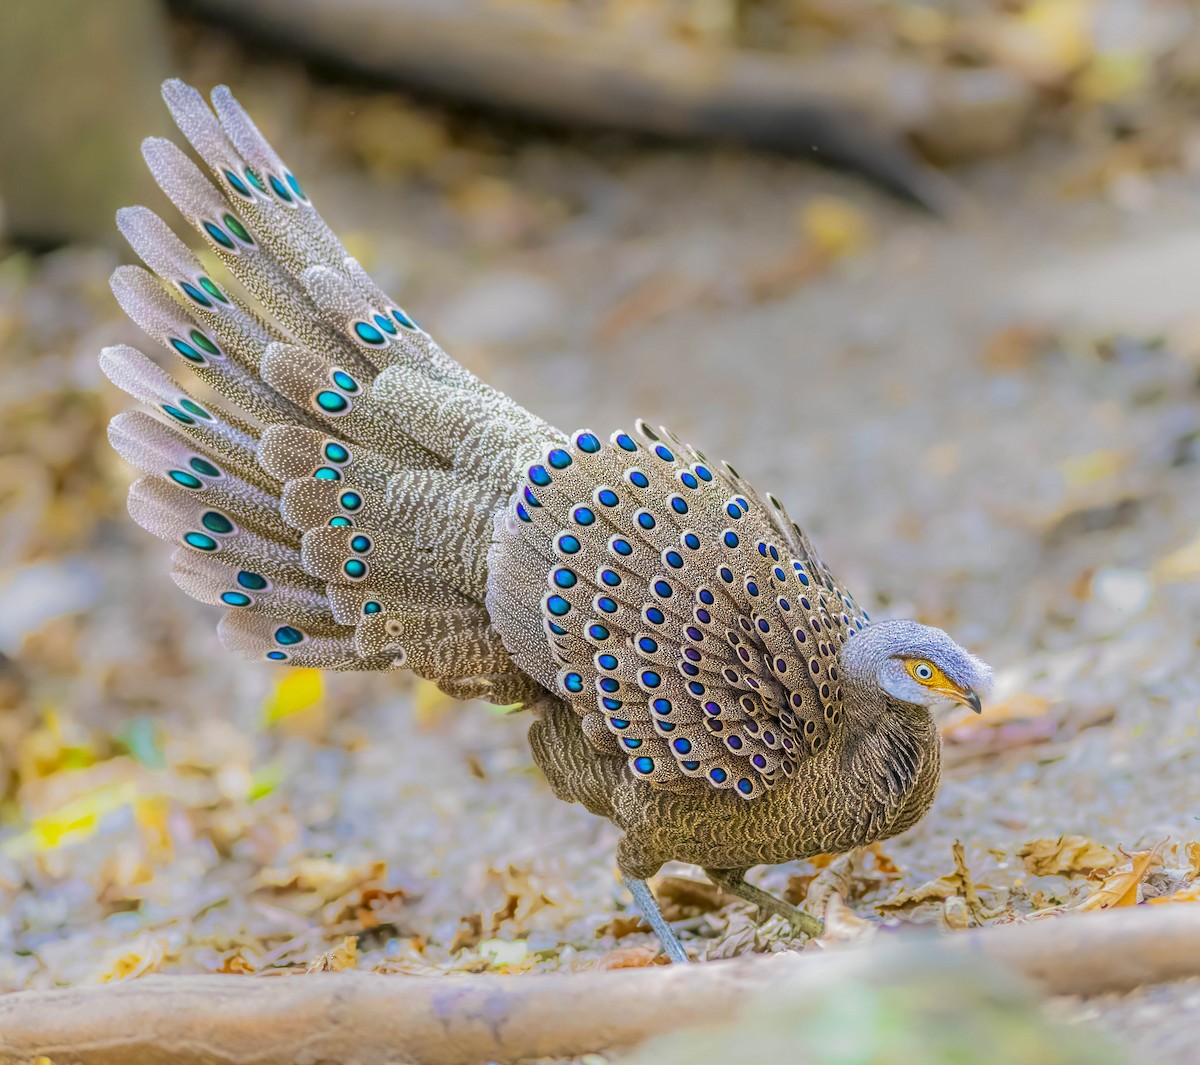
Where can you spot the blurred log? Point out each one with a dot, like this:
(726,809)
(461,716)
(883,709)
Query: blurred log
(848,110)
(80,85)
(463,1020)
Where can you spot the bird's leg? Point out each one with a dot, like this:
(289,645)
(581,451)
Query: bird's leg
(644,897)
(734,881)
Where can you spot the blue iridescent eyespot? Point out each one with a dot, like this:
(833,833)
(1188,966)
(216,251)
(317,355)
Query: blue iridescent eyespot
(648,645)
(654,615)
(779,574)
(539,476)
(762,550)
(718,774)
(800,574)
(662,706)
(682,745)
(726,574)
(608,497)
(522,513)
(360,544)
(350,501)
(195,408)
(587,442)
(666,726)
(277,656)
(557,605)
(645,519)
(663,590)
(644,764)
(372,607)
(287,635)
(327,473)
(663,453)
(344,381)
(291,180)
(336,453)
(607,661)
(565,578)
(618,723)
(703,473)
(281,190)
(559,459)
(679,505)
(204,467)
(638,478)
(194,294)
(598,632)
(239,186)
(403,319)
(368,334)
(734,511)
(731,539)
(625,443)
(610,684)
(692,541)
(610,704)
(354,568)
(573,682)
(254,581)
(774,553)
(674,559)
(568,544)
(651,679)
(610,577)
(622,547)
(606,604)
(185,479)
(689,480)
(558,630)
(384,323)
(235,599)
(332,402)
(530,498)
(632,742)
(219,235)
(188,352)
(752,588)
(338,522)
(216,522)
(744,786)
(255,180)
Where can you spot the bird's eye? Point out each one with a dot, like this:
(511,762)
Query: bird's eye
(922,670)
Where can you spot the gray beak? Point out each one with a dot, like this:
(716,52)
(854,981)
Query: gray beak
(973,702)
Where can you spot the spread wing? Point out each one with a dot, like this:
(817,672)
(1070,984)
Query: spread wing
(686,619)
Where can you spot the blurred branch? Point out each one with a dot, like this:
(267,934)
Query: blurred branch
(850,110)
(462,1020)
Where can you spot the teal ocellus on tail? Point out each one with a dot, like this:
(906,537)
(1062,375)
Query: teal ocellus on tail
(360,501)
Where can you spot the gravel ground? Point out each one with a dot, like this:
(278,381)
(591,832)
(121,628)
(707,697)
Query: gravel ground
(989,422)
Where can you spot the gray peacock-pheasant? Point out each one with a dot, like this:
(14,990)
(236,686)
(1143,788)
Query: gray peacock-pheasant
(362,502)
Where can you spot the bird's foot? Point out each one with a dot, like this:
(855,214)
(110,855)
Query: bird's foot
(734,881)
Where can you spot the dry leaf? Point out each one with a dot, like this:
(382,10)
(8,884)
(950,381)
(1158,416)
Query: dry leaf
(680,897)
(341,957)
(1120,889)
(834,227)
(1190,893)
(958,883)
(143,956)
(632,958)
(1193,856)
(1066,856)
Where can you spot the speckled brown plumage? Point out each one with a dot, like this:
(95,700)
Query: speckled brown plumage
(358,500)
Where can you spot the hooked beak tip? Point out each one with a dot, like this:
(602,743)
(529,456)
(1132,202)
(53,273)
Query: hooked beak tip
(972,700)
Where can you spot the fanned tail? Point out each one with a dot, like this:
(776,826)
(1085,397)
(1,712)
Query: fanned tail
(337,494)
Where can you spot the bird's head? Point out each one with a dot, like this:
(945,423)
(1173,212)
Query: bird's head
(916,664)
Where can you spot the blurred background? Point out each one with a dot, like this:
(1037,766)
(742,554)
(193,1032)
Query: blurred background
(967,357)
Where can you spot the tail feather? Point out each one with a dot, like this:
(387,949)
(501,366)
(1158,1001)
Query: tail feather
(343,506)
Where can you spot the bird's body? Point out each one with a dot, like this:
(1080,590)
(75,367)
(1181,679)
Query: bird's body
(697,674)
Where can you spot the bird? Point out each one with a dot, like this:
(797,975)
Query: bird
(357,500)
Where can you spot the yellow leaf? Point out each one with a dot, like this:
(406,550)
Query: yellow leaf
(341,957)
(297,690)
(144,956)
(73,821)
(1120,889)
(1180,565)
(1191,893)
(835,226)
(1066,856)
(504,952)
(1081,470)
(1193,855)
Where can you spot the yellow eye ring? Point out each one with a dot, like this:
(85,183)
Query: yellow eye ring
(923,671)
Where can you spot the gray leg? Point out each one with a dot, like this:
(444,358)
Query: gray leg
(644,898)
(734,881)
